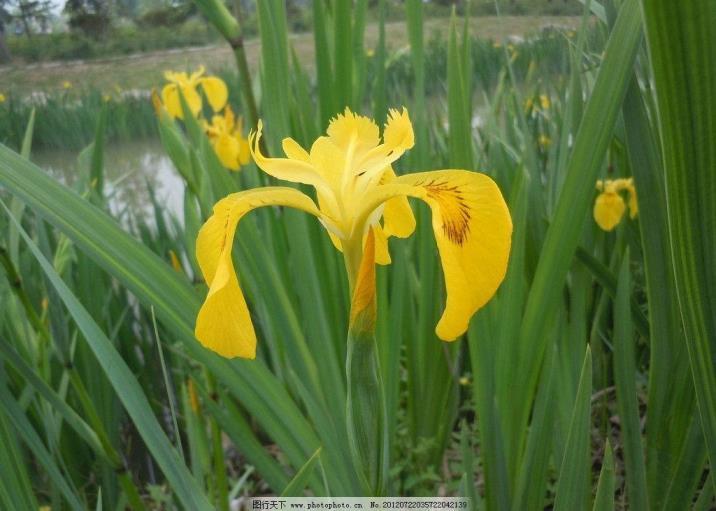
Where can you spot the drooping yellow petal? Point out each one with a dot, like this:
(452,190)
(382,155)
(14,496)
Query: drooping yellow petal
(224,323)
(170,99)
(216,92)
(473,230)
(608,210)
(227,148)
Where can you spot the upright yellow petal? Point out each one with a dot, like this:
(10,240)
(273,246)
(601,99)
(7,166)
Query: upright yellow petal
(171,76)
(192,98)
(216,92)
(244,151)
(398,135)
(194,78)
(224,323)
(398,218)
(473,230)
(288,169)
(349,129)
(170,99)
(229,118)
(294,150)
(608,210)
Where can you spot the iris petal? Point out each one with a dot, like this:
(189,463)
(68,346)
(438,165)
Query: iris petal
(224,324)
(608,210)
(473,230)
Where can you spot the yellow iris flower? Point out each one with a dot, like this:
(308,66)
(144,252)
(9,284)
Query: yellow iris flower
(544,101)
(358,192)
(609,207)
(225,134)
(214,88)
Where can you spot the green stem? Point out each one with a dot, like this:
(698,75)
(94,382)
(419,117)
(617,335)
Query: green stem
(247,91)
(229,27)
(366,413)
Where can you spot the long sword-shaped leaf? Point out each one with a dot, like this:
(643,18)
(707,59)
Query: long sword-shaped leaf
(625,377)
(573,489)
(155,283)
(604,500)
(575,199)
(15,414)
(128,389)
(682,44)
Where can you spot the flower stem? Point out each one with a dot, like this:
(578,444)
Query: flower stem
(366,412)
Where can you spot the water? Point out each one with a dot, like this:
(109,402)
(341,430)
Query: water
(130,169)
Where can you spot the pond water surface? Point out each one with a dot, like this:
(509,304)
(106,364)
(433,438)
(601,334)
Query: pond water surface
(131,168)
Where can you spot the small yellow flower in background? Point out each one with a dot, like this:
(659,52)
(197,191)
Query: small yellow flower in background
(464,381)
(193,398)
(225,134)
(106,97)
(369,52)
(157,103)
(2,98)
(529,104)
(609,207)
(544,141)
(544,101)
(176,263)
(361,203)
(214,88)
(66,84)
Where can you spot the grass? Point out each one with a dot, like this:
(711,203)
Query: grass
(144,71)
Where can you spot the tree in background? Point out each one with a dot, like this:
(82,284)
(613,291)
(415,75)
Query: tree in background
(91,17)
(33,15)
(4,20)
